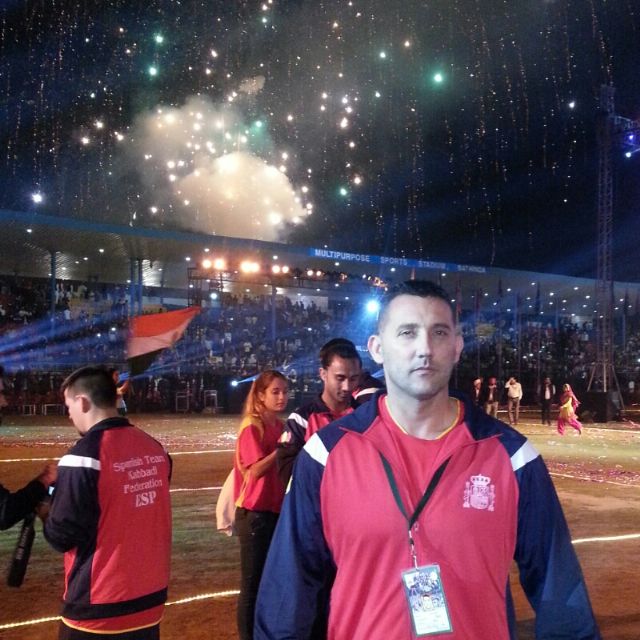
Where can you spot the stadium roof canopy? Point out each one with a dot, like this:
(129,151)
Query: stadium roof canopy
(31,243)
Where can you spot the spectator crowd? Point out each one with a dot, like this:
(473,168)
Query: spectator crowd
(237,336)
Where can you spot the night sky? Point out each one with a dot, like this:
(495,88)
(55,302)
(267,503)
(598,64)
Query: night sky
(458,130)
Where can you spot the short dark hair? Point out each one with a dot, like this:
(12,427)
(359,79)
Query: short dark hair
(419,288)
(340,348)
(97,382)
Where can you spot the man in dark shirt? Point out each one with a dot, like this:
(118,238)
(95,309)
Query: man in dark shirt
(17,506)
(340,372)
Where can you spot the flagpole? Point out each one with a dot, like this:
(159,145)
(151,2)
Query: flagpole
(273,317)
(132,280)
(538,309)
(499,340)
(539,355)
(458,315)
(624,319)
(519,335)
(477,340)
(139,287)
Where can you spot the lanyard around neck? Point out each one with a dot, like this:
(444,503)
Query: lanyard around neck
(421,504)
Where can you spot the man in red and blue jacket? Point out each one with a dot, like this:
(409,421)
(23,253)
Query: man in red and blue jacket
(111,516)
(403,562)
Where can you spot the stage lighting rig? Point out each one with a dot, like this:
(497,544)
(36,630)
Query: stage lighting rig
(614,132)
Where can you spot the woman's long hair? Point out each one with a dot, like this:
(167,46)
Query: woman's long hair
(253,406)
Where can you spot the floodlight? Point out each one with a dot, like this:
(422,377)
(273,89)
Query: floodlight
(372,306)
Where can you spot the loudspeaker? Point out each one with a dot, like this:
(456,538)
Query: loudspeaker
(236,396)
(603,406)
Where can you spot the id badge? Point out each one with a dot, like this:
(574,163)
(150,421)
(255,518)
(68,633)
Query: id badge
(426,600)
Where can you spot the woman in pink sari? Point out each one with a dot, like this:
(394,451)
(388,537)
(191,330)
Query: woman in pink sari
(567,415)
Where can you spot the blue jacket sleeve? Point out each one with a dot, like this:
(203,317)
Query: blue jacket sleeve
(299,569)
(550,573)
(73,516)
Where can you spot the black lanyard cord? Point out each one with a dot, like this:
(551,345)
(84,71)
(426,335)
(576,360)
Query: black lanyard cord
(421,504)
(425,498)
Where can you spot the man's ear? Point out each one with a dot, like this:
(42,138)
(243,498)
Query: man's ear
(375,348)
(322,372)
(86,404)
(459,347)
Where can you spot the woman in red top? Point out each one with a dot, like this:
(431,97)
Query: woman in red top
(567,415)
(259,491)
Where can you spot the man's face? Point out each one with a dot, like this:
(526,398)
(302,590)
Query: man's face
(419,345)
(340,378)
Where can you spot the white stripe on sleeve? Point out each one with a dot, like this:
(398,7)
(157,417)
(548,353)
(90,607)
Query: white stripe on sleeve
(298,419)
(525,454)
(316,449)
(80,462)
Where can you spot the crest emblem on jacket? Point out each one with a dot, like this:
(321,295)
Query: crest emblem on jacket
(479,493)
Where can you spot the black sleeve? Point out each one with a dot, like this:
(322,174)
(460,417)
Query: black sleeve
(74,512)
(16,506)
(286,455)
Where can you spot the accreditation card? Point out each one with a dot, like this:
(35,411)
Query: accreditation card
(426,600)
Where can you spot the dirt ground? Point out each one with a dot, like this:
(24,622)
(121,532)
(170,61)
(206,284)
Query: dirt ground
(597,476)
